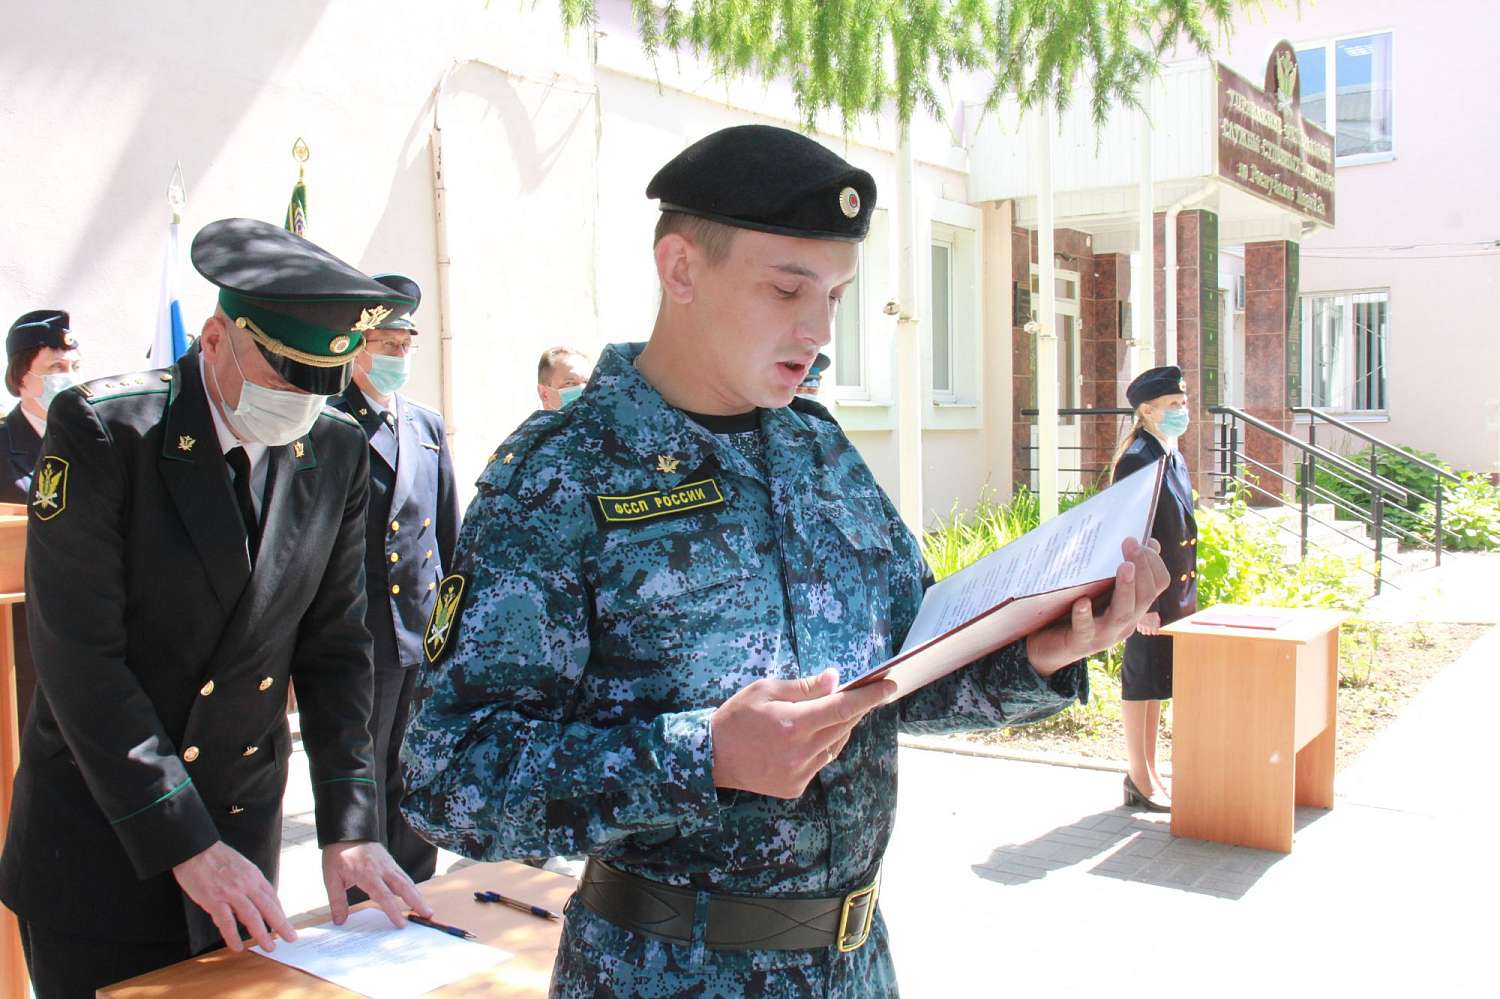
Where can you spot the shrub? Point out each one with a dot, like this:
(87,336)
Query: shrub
(1421,483)
(1471,514)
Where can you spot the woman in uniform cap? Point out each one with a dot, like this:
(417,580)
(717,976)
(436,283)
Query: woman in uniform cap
(1159,398)
(42,361)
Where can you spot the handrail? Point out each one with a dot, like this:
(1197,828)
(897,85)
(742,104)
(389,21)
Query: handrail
(1094,411)
(1369,480)
(1374,441)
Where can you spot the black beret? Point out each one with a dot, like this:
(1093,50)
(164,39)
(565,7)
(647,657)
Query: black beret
(1156,383)
(407,287)
(40,328)
(306,309)
(768,179)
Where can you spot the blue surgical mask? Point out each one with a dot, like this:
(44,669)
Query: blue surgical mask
(570,395)
(1174,422)
(53,384)
(389,374)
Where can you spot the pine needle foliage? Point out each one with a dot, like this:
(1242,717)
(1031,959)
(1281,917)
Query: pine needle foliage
(857,57)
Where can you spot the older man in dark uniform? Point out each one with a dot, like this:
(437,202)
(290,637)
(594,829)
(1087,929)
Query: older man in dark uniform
(196,541)
(413,521)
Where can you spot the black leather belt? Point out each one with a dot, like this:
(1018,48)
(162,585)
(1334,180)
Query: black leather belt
(735,922)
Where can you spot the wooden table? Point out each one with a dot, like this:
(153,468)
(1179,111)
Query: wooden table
(1254,719)
(533,941)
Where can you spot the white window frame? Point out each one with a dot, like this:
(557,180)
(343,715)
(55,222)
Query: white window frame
(870,406)
(961,226)
(943,237)
(1344,377)
(1330,62)
(858,304)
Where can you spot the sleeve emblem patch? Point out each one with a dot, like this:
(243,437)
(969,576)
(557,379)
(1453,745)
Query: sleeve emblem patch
(443,621)
(50,490)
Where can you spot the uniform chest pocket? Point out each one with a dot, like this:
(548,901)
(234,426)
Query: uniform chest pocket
(663,574)
(861,523)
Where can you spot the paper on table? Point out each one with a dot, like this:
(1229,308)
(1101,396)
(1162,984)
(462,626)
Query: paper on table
(370,956)
(1024,586)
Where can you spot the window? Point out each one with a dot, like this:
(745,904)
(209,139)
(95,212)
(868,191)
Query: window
(849,335)
(942,320)
(1346,89)
(952,316)
(1344,342)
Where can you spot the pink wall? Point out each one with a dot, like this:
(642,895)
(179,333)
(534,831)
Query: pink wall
(1438,188)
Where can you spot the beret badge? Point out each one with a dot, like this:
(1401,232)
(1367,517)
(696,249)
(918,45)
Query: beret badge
(849,202)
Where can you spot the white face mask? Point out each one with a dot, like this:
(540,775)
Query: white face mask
(53,384)
(269,416)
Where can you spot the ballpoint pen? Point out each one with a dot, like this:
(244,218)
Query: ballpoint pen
(432,924)
(535,910)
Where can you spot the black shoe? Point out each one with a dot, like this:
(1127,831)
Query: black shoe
(1135,799)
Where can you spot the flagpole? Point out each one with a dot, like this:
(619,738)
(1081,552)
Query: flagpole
(170,340)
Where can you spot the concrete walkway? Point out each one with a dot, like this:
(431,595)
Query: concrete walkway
(1008,878)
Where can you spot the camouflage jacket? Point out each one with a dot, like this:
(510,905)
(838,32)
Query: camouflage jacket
(623,571)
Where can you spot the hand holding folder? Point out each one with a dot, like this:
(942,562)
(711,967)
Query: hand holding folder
(1045,586)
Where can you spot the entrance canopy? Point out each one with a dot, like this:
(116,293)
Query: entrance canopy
(1217,142)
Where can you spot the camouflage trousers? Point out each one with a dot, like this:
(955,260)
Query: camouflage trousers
(599,960)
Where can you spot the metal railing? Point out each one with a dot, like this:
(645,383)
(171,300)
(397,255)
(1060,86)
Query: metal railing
(1377,447)
(1089,472)
(1237,469)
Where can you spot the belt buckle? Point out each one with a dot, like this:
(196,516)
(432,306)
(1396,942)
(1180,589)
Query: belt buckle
(871,891)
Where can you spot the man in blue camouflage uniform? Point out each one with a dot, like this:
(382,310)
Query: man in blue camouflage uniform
(658,591)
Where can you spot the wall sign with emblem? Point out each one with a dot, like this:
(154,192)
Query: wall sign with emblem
(1265,146)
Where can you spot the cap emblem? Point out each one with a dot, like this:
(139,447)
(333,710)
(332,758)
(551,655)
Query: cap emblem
(69,341)
(849,202)
(1182,384)
(370,318)
(339,344)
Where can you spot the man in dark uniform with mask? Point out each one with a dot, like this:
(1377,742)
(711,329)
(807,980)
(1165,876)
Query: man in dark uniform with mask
(412,523)
(196,541)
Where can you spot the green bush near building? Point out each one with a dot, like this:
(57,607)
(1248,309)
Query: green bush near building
(1471,508)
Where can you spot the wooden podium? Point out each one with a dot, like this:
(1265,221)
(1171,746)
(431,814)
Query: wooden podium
(1254,718)
(13,980)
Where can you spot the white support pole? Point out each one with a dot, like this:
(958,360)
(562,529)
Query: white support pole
(908,346)
(1046,341)
(1143,286)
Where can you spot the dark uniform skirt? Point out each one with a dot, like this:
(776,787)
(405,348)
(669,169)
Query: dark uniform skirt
(1147,674)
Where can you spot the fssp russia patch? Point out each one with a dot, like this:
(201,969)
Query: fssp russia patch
(620,511)
(443,621)
(49,494)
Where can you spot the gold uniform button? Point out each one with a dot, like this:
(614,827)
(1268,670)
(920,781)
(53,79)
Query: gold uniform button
(266,682)
(395,526)
(432,586)
(235,809)
(1193,542)
(250,751)
(426,521)
(190,754)
(395,588)
(429,553)
(395,558)
(207,688)
(1194,574)
(1182,543)
(1184,578)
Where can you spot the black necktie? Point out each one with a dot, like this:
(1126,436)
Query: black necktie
(239,461)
